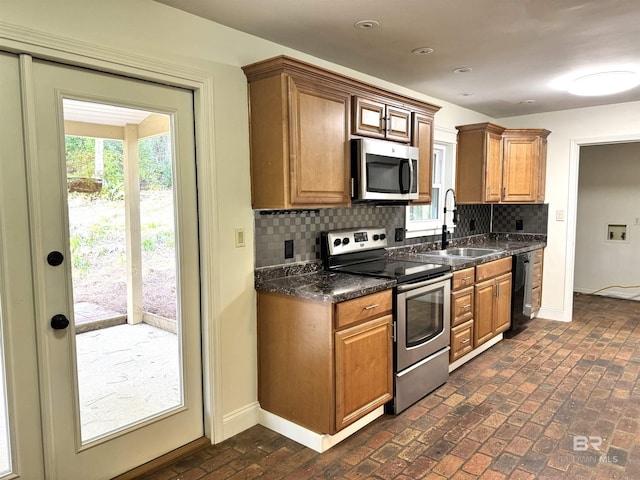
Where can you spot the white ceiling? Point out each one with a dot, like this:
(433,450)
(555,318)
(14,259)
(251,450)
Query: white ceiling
(515,48)
(102,114)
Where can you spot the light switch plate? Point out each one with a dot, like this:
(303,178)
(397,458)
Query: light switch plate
(560,215)
(240,241)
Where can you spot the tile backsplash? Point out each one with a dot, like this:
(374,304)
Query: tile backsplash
(534,218)
(272,228)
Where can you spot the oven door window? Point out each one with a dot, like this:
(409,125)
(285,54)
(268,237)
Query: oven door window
(424,316)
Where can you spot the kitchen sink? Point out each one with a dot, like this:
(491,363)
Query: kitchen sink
(468,252)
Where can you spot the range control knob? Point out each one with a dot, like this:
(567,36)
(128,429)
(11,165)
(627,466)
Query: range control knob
(337,242)
(345,241)
(376,237)
(383,236)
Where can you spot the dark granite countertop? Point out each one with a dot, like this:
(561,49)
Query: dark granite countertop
(310,281)
(323,286)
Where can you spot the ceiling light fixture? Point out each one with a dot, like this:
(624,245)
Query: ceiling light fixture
(462,70)
(465,94)
(422,51)
(527,102)
(366,24)
(604,83)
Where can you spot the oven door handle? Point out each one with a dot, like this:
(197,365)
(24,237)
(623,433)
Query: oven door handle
(412,286)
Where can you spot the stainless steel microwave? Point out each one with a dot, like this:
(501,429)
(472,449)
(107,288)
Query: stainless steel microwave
(383,170)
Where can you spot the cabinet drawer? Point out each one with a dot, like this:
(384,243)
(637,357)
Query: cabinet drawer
(461,306)
(537,275)
(461,340)
(537,256)
(463,278)
(535,298)
(363,308)
(493,269)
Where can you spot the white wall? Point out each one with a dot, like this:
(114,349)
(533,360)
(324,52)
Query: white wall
(154,31)
(570,128)
(608,193)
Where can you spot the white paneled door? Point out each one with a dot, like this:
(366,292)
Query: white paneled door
(20,434)
(110,165)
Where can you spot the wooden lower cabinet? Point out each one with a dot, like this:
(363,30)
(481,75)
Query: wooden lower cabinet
(492,309)
(322,365)
(363,364)
(536,282)
(480,305)
(462,302)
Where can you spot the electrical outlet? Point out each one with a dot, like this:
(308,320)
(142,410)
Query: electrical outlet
(519,224)
(472,224)
(288,249)
(399,234)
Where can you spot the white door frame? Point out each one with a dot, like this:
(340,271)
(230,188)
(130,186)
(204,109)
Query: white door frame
(58,49)
(572,210)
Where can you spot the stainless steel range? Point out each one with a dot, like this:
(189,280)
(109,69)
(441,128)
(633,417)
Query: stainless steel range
(422,308)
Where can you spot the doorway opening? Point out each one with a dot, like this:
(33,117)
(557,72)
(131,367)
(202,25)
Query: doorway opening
(607,190)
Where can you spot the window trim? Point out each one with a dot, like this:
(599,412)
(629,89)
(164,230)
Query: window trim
(423,228)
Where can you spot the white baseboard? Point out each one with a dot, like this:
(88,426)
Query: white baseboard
(315,441)
(552,314)
(239,420)
(627,294)
(475,352)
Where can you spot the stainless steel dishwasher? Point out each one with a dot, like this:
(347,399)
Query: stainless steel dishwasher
(521,293)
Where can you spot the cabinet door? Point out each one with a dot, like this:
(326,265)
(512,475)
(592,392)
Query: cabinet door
(520,175)
(502,313)
(493,168)
(319,144)
(364,365)
(398,124)
(423,139)
(368,118)
(483,313)
(542,171)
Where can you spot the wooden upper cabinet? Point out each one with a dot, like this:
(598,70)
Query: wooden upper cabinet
(524,165)
(423,139)
(320,168)
(299,133)
(479,163)
(300,122)
(376,119)
(500,165)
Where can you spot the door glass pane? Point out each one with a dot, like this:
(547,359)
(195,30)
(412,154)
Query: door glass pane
(5,444)
(425,316)
(122,243)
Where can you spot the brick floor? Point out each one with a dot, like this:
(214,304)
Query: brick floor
(514,412)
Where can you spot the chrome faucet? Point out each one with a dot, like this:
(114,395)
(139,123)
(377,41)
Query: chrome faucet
(445,240)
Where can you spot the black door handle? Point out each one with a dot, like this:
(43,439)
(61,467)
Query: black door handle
(59,322)
(55,258)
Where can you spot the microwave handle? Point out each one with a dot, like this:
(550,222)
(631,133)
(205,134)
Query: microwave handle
(403,165)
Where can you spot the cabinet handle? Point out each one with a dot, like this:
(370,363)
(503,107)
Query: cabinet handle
(466,340)
(468,305)
(370,307)
(464,279)
(393,331)
(498,290)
